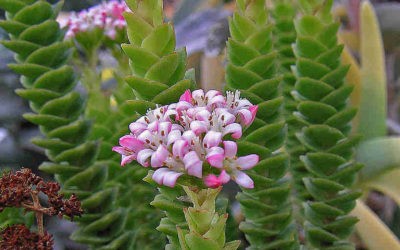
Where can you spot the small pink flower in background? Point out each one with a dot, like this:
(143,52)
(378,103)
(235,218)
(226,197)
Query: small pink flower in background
(189,138)
(106,16)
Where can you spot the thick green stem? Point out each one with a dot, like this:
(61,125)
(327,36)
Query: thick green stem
(206,227)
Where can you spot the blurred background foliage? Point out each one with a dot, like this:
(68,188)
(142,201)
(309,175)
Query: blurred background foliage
(202,26)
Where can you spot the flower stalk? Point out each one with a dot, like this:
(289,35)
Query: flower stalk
(206,226)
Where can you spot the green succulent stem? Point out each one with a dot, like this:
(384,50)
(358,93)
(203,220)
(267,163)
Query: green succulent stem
(206,227)
(252,69)
(284,36)
(322,95)
(158,78)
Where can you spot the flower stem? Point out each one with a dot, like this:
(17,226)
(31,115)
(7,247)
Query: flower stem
(38,211)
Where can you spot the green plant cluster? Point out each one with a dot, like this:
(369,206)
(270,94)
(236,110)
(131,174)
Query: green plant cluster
(159,76)
(283,14)
(252,69)
(322,97)
(115,201)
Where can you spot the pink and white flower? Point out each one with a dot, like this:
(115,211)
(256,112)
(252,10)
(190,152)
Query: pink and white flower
(189,138)
(106,16)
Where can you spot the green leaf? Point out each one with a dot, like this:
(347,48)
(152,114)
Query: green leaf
(378,156)
(308,25)
(12,6)
(313,90)
(161,41)
(141,28)
(13,27)
(60,80)
(373,103)
(146,89)
(51,56)
(316,112)
(387,183)
(196,242)
(35,13)
(374,233)
(22,48)
(141,59)
(43,34)
(173,93)
(29,70)
(162,70)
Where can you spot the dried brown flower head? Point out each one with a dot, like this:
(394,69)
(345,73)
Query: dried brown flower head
(18,237)
(21,189)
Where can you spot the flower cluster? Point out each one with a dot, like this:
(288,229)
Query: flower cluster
(195,137)
(106,16)
(19,237)
(21,189)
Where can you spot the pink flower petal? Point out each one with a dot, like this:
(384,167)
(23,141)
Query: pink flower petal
(159,156)
(203,115)
(212,139)
(187,96)
(193,113)
(215,157)
(137,127)
(170,112)
(212,181)
(247,162)
(230,149)
(143,156)
(181,106)
(170,178)
(166,177)
(193,165)
(243,103)
(153,126)
(189,135)
(226,117)
(245,116)
(198,94)
(235,129)
(253,110)
(177,127)
(224,177)
(198,127)
(173,136)
(131,143)
(180,148)
(127,159)
(243,179)
(212,93)
(164,128)
(121,150)
(146,137)
(159,174)
(216,100)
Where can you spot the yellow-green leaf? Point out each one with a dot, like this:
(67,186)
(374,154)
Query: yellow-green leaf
(388,184)
(374,233)
(373,107)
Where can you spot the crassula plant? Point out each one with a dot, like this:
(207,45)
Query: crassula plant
(280,130)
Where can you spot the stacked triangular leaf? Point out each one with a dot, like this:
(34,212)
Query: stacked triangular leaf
(284,13)
(322,97)
(158,77)
(252,69)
